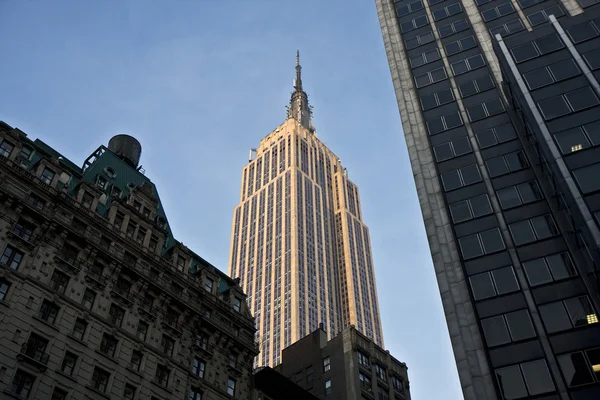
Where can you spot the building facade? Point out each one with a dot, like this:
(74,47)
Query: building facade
(298,244)
(493,226)
(97,298)
(271,385)
(550,78)
(348,367)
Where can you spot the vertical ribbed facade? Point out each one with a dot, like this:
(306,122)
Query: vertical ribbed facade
(298,244)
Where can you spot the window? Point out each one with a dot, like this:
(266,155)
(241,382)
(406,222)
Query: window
(198,367)
(444,123)
(446,12)
(549,269)
(587,178)
(162,375)
(142,330)
(167,345)
(48,312)
(397,384)
(36,348)
(201,341)
(208,285)
(100,380)
(363,359)
(468,64)
(327,387)
(454,148)
(409,8)
(592,58)
(419,40)
(566,314)
(507,163)
(433,76)
(380,372)
(572,140)
(59,394)
(436,99)
(485,109)
(47,176)
(153,244)
(509,28)
(476,86)
(526,379)
(22,383)
(493,136)
(455,27)
(582,32)
(79,329)
(384,395)
(136,360)
(87,200)
(195,394)
(529,3)
(365,381)
(4,285)
(25,153)
(232,360)
(180,263)
(540,17)
(108,345)
(68,363)
(497,12)
(36,201)
(89,296)
(507,328)
(533,229)
(580,368)
(414,24)
(326,364)
(6,148)
(129,392)
(231,387)
(123,286)
(237,304)
(59,281)
(23,229)
(494,283)
(116,315)
(474,207)
(523,193)
(461,177)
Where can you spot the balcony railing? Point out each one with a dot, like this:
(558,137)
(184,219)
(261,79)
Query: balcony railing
(34,354)
(96,277)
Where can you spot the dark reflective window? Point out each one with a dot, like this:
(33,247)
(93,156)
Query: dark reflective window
(443,152)
(587,178)
(522,193)
(593,131)
(564,69)
(516,161)
(581,99)
(561,266)
(537,377)
(579,310)
(554,107)
(480,205)
(509,197)
(537,272)
(511,382)
(472,208)
(470,246)
(592,58)
(549,43)
(530,192)
(497,166)
(575,369)
(460,211)
(520,325)
(482,286)
(505,279)
(522,232)
(555,317)
(538,78)
(470,174)
(451,180)
(544,226)
(495,331)
(525,52)
(571,140)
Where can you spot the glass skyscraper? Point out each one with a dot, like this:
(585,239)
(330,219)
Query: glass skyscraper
(499,101)
(298,244)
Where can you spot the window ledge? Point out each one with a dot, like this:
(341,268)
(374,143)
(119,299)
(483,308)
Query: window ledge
(45,323)
(138,373)
(88,387)
(70,377)
(107,356)
(70,336)
(162,387)
(12,394)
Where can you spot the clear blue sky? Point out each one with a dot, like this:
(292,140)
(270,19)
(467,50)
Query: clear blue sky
(199,83)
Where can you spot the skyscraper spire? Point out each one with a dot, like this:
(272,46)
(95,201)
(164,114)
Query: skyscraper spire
(299,108)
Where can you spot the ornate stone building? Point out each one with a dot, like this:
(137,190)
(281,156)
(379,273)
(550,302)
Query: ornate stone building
(97,298)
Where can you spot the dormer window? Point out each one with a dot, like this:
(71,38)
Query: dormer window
(137,205)
(141,235)
(131,227)
(161,222)
(87,200)
(102,182)
(153,244)
(25,152)
(146,212)
(110,172)
(237,304)
(119,218)
(47,176)
(6,148)
(180,263)
(115,191)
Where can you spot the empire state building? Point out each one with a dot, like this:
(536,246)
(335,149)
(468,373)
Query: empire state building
(298,244)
